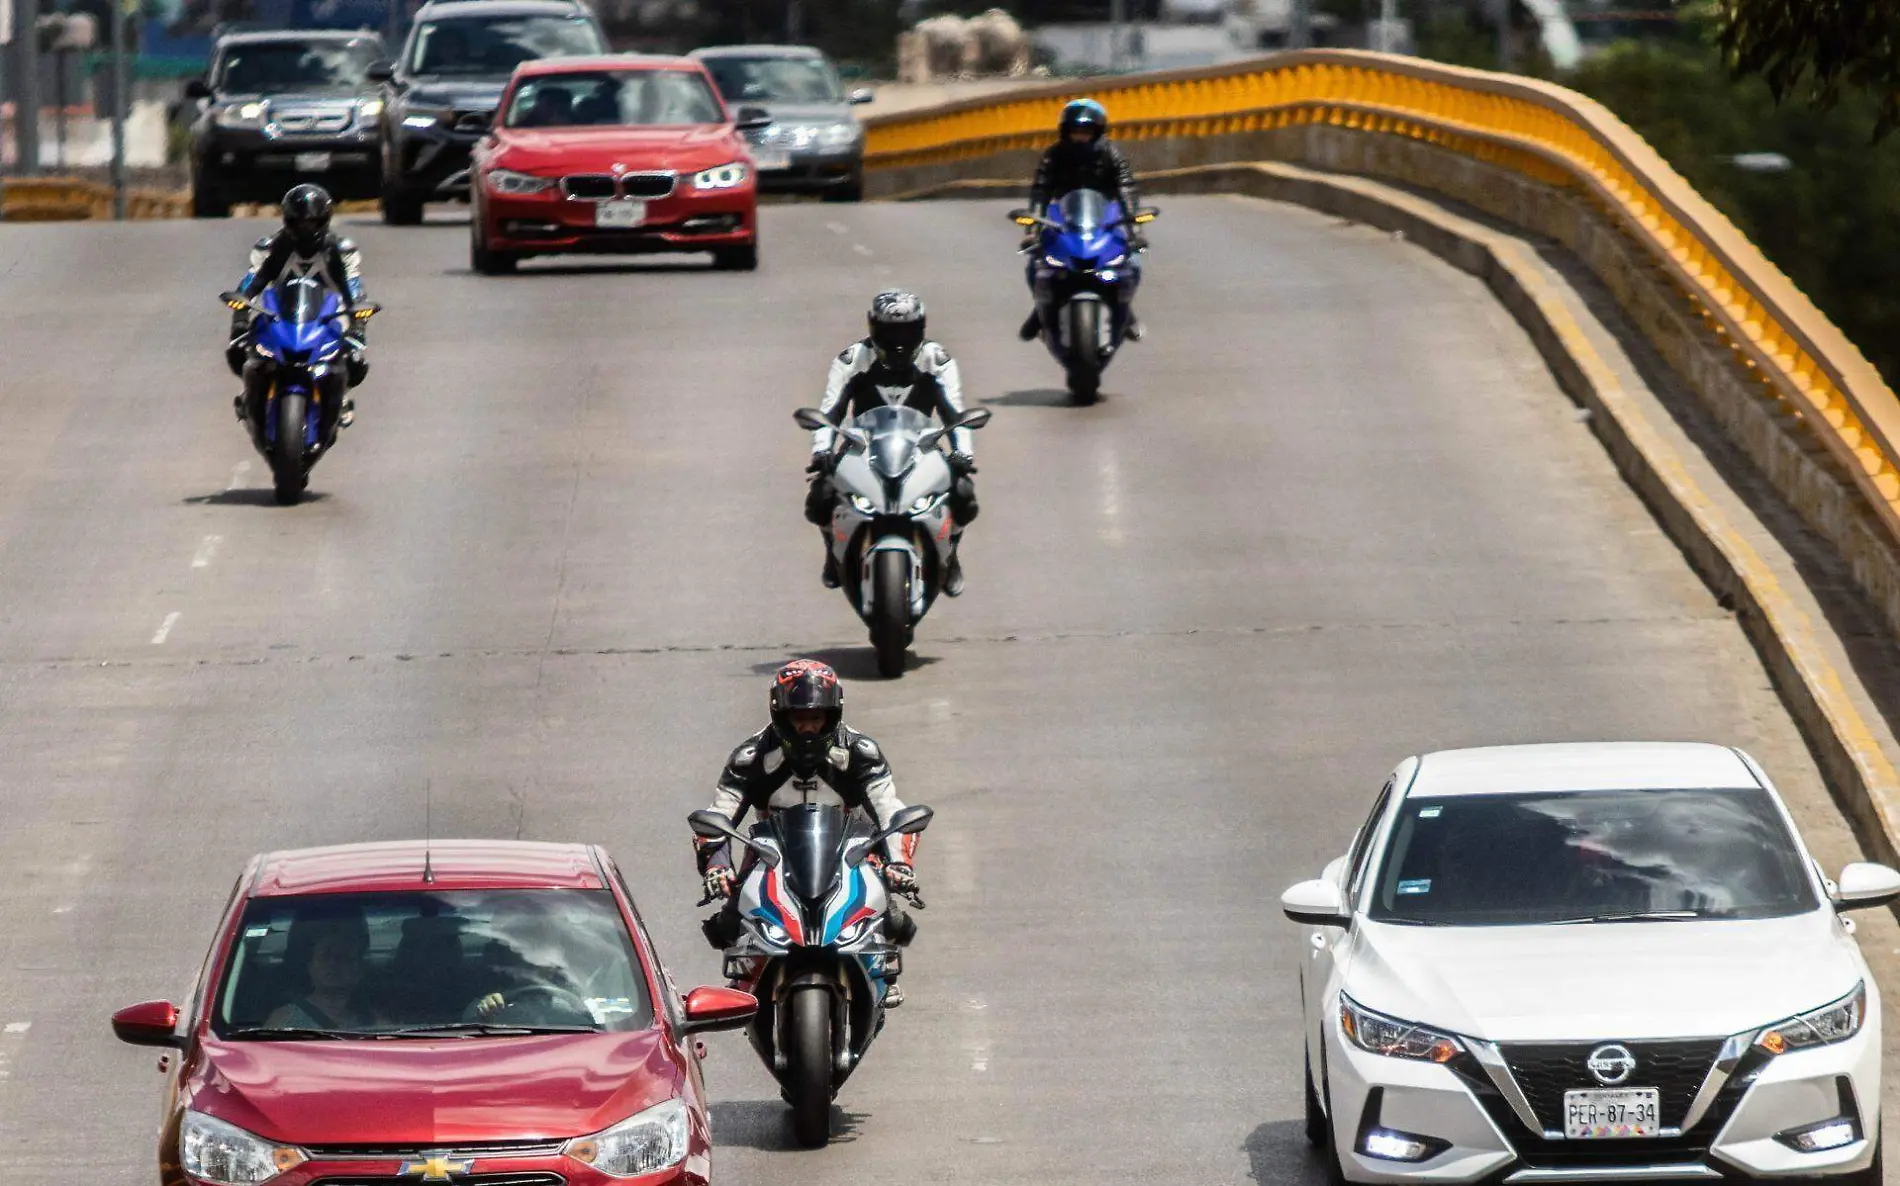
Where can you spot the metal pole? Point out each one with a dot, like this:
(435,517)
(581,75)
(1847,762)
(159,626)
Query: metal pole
(26,83)
(1117,23)
(59,109)
(119,103)
(1299,34)
(1388,25)
(1506,57)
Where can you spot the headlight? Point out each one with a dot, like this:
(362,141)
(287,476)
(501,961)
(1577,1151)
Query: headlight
(1829,1024)
(840,135)
(224,1153)
(773,931)
(369,109)
(507,181)
(854,932)
(244,115)
(421,121)
(652,1140)
(724,176)
(1053,262)
(1379,1034)
(922,504)
(1117,261)
(864,505)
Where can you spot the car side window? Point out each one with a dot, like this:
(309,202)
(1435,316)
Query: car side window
(1362,843)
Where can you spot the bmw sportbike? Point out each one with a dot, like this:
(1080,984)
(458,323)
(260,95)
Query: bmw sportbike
(1085,275)
(891,530)
(301,333)
(812,947)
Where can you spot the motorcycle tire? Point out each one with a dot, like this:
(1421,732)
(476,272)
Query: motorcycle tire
(286,455)
(890,611)
(807,1081)
(1085,349)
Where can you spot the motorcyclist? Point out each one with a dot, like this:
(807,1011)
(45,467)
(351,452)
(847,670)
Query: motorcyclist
(1083,157)
(895,366)
(806,755)
(304,247)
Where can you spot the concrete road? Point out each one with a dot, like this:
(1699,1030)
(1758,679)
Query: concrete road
(1332,512)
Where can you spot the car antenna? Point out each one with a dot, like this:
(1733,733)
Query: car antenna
(428,832)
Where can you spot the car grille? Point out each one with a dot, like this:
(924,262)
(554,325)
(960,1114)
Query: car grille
(459,1179)
(1676,1069)
(646,185)
(599,187)
(417,1153)
(311,123)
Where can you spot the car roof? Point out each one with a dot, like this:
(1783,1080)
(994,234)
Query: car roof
(1587,766)
(581,63)
(270,35)
(450,9)
(451,864)
(757,51)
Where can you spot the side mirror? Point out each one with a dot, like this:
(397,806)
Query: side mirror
(1864,884)
(366,310)
(150,1023)
(381,72)
(235,300)
(713,826)
(197,88)
(972,418)
(1315,904)
(1023,217)
(751,119)
(857,438)
(811,418)
(860,95)
(714,1008)
(1147,214)
(908,821)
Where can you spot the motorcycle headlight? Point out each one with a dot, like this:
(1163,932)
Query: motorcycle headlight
(854,932)
(507,181)
(641,1144)
(724,176)
(840,135)
(1116,262)
(243,115)
(773,931)
(863,505)
(1379,1034)
(1054,262)
(922,504)
(1829,1024)
(213,1151)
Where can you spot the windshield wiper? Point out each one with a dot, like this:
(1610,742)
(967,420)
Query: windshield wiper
(1412,922)
(481,1029)
(1632,916)
(292,1032)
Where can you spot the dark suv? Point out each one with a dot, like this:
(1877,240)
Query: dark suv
(814,144)
(440,97)
(283,107)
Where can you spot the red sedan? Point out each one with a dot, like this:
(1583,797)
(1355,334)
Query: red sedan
(466,1010)
(616,155)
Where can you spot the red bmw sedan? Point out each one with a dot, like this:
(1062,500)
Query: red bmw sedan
(614,155)
(467,1011)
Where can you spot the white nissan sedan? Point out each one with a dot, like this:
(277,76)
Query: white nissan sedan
(1607,962)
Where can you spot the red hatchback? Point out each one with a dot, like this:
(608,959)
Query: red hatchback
(616,155)
(467,1011)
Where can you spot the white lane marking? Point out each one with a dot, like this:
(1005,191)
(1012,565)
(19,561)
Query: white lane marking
(837,228)
(861,249)
(165,628)
(205,550)
(979,1036)
(18,1027)
(14,1030)
(980,1059)
(62,910)
(237,475)
(1110,468)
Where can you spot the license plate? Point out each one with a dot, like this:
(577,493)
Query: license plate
(1608,1115)
(771,161)
(620,214)
(312,162)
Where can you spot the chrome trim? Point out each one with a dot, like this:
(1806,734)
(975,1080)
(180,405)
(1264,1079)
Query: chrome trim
(1622,1173)
(1492,1060)
(1717,1078)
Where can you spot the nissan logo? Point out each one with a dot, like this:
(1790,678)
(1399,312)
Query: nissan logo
(1611,1064)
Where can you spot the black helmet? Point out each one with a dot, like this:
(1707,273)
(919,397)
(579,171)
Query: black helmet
(307,210)
(897,326)
(1085,115)
(803,685)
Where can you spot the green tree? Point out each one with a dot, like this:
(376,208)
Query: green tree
(1818,48)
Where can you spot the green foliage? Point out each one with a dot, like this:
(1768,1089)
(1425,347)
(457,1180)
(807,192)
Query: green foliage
(1831,222)
(1821,48)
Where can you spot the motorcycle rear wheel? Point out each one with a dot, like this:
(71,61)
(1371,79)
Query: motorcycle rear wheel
(890,611)
(1085,349)
(808,1066)
(288,476)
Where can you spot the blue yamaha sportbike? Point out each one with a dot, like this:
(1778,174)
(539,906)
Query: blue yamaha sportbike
(301,333)
(1085,279)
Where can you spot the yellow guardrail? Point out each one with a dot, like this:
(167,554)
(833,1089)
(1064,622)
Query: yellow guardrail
(1537,129)
(61,199)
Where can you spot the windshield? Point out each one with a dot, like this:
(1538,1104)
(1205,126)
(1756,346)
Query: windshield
(625,98)
(782,80)
(269,67)
(496,45)
(812,839)
(300,301)
(1084,210)
(893,432)
(370,965)
(1497,860)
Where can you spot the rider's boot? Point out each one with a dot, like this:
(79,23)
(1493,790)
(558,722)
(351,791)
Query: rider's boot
(893,994)
(831,568)
(1032,328)
(1132,330)
(953,576)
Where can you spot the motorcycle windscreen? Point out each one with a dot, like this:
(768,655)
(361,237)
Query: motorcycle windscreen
(893,433)
(305,300)
(1085,212)
(812,838)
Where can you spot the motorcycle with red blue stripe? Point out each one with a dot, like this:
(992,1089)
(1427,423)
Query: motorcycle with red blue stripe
(812,946)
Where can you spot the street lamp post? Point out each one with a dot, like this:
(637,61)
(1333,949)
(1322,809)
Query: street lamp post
(119,103)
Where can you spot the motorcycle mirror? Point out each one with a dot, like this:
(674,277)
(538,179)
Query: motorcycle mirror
(856,436)
(972,418)
(235,300)
(910,820)
(1022,218)
(768,850)
(712,826)
(928,440)
(366,311)
(855,850)
(1147,215)
(811,418)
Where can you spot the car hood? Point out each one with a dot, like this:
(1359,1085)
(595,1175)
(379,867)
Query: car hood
(434,1092)
(1591,981)
(800,113)
(299,100)
(598,150)
(463,94)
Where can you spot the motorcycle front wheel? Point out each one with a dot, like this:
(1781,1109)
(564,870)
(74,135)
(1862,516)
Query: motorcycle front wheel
(1085,349)
(286,455)
(890,611)
(807,1045)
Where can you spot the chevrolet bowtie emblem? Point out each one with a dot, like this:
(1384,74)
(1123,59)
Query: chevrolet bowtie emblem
(435,1167)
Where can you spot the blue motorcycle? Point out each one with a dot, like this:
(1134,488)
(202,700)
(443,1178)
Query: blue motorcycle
(301,333)
(1085,277)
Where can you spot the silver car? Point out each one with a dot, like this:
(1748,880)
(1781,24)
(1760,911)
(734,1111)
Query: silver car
(814,144)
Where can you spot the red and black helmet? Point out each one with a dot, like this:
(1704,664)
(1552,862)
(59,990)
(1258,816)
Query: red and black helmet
(800,686)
